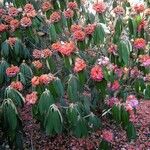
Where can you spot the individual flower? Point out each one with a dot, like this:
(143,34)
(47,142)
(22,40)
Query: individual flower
(75,27)
(17,85)
(31,98)
(115,85)
(3,27)
(72,5)
(112,49)
(12,11)
(55,17)
(139,43)
(7,18)
(29,10)
(68,13)
(135,73)
(132,101)
(142,25)
(79,65)
(12,71)
(37,54)
(139,7)
(103,61)
(119,10)
(26,22)
(147,11)
(44,79)
(47,53)
(11,41)
(56,46)
(14,24)
(89,29)
(99,7)
(67,48)
(144,60)
(46,6)
(107,136)
(97,73)
(79,35)
(112,101)
(118,71)
(37,64)
(35,81)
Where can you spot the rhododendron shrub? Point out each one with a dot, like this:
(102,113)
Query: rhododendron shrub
(75,62)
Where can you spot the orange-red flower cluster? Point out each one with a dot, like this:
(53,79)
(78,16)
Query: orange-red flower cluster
(79,35)
(144,60)
(72,5)
(31,98)
(26,22)
(66,48)
(100,7)
(119,10)
(139,43)
(139,7)
(17,85)
(12,11)
(55,17)
(29,10)
(76,27)
(3,27)
(79,65)
(44,79)
(97,73)
(37,64)
(46,6)
(38,54)
(12,71)
(89,29)
(11,41)
(14,24)
(68,13)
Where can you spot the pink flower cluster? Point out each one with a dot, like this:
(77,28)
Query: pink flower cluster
(45,53)
(12,71)
(31,98)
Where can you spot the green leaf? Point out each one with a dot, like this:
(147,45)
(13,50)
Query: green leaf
(147,92)
(5,50)
(52,32)
(116,112)
(72,89)
(131,131)
(124,117)
(46,99)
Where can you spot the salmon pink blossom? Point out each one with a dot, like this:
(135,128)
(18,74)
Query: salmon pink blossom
(79,65)
(79,35)
(139,43)
(25,22)
(17,85)
(46,6)
(55,17)
(31,98)
(107,135)
(12,71)
(72,5)
(99,7)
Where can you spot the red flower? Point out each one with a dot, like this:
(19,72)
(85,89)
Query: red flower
(31,98)
(35,81)
(37,54)
(47,53)
(144,60)
(115,86)
(17,85)
(72,5)
(12,11)
(68,13)
(89,29)
(75,27)
(26,22)
(100,7)
(79,35)
(29,10)
(112,49)
(37,64)
(96,73)
(14,24)
(46,6)
(142,25)
(12,71)
(107,135)
(56,46)
(3,27)
(11,41)
(55,17)
(139,43)
(119,10)
(79,65)
(139,7)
